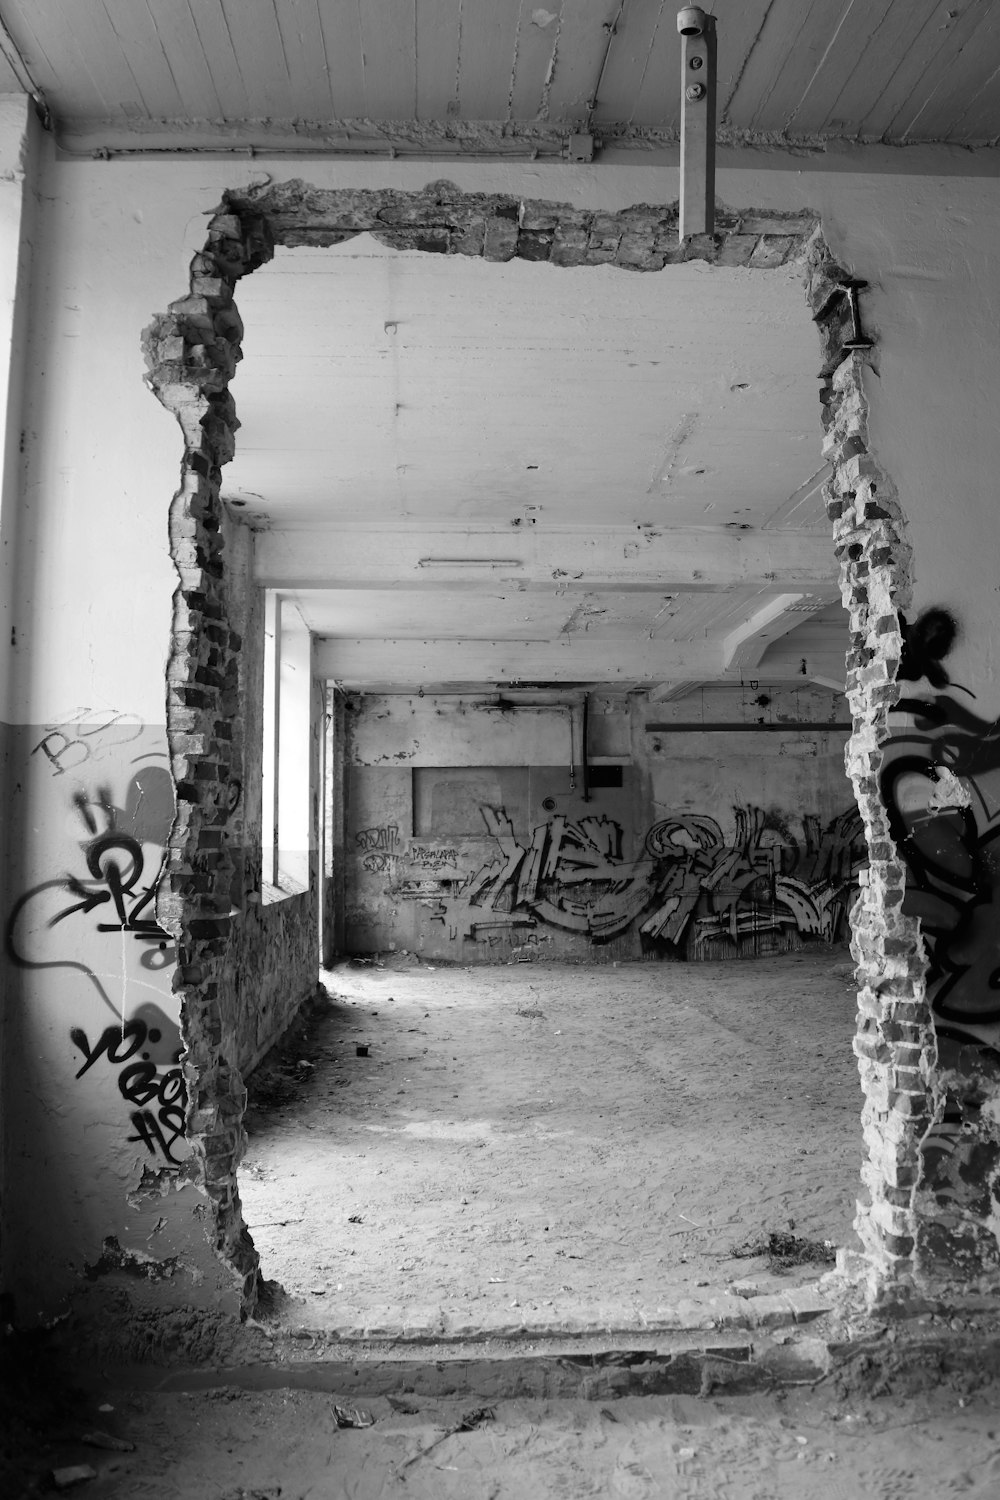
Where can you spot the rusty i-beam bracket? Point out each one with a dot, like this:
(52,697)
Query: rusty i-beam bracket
(858,338)
(697,31)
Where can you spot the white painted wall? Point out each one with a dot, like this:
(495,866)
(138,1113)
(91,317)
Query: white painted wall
(94,580)
(19,145)
(410,731)
(117,239)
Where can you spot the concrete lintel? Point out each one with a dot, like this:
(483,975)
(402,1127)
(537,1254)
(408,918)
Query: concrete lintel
(358,663)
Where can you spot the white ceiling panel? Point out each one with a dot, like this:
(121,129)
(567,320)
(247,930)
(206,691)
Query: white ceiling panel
(466,469)
(379,384)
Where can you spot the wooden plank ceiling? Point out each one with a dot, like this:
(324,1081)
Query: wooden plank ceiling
(418,72)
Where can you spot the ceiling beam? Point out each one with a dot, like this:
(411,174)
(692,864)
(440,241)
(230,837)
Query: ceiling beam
(778,616)
(624,664)
(361,662)
(669,692)
(744,646)
(480,140)
(619,557)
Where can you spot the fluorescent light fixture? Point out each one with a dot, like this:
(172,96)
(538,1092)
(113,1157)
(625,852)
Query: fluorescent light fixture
(469,562)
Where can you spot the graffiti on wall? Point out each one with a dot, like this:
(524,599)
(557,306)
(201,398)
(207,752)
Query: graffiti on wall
(380,846)
(147,1052)
(113,887)
(760,881)
(694,889)
(83,735)
(571,875)
(941,785)
(384,839)
(430,857)
(96,919)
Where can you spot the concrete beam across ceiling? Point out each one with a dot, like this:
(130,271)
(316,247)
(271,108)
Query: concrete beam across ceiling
(419,662)
(414,664)
(621,557)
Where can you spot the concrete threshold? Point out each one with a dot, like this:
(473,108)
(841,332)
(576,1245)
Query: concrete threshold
(695,1315)
(721,1344)
(867,1362)
(543,1369)
(699,1347)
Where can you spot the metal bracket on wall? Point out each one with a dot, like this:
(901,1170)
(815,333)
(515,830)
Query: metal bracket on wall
(580,147)
(857,339)
(846,290)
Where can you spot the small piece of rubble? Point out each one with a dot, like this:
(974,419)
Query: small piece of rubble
(107,1440)
(64,1479)
(353,1416)
(784,1250)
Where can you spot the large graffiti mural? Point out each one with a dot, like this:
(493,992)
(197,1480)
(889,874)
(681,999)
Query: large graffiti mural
(762,881)
(941,785)
(696,892)
(940,782)
(92,927)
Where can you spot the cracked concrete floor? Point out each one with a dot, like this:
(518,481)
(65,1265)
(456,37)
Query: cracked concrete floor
(555,1147)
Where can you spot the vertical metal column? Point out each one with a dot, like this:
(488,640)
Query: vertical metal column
(697,32)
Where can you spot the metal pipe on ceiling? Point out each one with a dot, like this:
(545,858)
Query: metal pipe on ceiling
(802,726)
(698,69)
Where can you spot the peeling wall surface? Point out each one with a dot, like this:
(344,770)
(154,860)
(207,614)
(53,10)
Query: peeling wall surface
(90,792)
(475,834)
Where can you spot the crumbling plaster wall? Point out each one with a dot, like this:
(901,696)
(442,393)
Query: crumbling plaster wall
(92,609)
(475,835)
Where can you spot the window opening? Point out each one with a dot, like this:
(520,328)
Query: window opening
(287,747)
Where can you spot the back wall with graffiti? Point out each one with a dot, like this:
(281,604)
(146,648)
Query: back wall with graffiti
(692,847)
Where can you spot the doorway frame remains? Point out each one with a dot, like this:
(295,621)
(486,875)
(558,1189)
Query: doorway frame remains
(192,351)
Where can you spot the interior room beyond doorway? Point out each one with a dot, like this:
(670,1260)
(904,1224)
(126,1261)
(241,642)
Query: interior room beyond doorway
(561,1147)
(562,550)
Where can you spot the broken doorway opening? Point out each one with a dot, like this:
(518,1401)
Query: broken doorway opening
(192,352)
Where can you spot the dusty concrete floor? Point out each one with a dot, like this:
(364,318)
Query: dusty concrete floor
(554,1147)
(827,1444)
(605,1106)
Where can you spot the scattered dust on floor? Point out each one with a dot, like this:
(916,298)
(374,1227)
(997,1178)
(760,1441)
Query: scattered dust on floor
(232,1444)
(561,1146)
